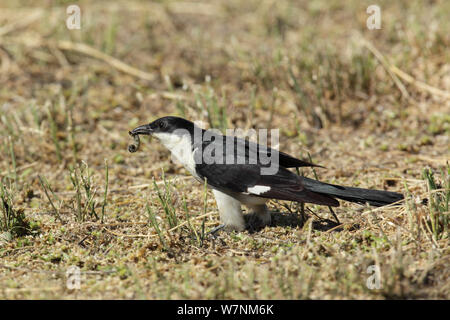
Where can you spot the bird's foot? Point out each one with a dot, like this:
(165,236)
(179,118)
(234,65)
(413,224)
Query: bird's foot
(256,222)
(214,231)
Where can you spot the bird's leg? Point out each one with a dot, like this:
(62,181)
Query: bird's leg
(230,211)
(334,215)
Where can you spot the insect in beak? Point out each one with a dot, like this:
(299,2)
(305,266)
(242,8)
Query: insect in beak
(145,129)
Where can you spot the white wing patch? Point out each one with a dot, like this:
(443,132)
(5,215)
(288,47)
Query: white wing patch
(258,189)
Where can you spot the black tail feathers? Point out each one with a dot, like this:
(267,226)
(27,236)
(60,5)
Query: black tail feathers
(376,198)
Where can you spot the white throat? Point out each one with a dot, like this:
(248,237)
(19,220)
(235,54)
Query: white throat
(181,148)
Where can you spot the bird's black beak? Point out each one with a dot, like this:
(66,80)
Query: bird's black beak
(144,129)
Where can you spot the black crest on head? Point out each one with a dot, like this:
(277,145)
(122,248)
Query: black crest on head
(171,124)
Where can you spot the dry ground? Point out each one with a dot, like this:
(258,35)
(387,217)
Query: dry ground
(372,106)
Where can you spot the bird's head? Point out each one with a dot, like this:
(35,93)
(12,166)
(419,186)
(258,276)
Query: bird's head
(164,125)
(167,129)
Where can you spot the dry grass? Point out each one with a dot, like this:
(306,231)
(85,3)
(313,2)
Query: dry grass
(371,106)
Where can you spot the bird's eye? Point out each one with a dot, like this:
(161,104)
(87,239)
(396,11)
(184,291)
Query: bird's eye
(162,124)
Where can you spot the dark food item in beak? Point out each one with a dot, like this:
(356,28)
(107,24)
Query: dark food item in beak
(137,142)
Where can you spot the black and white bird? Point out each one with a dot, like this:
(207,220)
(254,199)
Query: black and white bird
(234,169)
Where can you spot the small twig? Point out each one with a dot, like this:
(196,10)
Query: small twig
(393,204)
(395,71)
(338,226)
(419,84)
(20,23)
(86,50)
(62,60)
(384,62)
(89,51)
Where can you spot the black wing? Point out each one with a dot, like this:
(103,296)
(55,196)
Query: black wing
(250,150)
(243,178)
(284,159)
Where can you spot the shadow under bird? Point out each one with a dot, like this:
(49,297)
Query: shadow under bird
(238,172)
